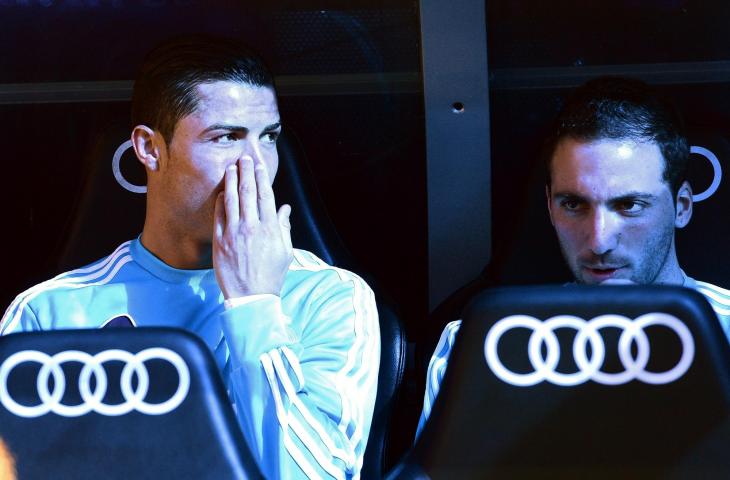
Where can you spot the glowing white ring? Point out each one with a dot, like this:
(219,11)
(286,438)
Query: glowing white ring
(688,348)
(490,349)
(92,365)
(7,400)
(118,173)
(716,173)
(588,331)
(183,380)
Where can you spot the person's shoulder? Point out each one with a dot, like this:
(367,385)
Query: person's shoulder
(718,297)
(64,293)
(329,303)
(98,273)
(711,287)
(314,285)
(309,264)
(306,260)
(448,337)
(451,329)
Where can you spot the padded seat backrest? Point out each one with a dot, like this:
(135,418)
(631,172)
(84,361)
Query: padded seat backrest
(117,403)
(582,382)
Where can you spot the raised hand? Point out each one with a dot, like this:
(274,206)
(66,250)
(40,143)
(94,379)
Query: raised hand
(252,245)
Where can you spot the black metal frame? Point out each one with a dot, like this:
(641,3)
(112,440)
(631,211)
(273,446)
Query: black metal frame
(456,97)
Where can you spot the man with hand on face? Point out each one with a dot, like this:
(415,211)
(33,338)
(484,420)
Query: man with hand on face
(297,341)
(616,191)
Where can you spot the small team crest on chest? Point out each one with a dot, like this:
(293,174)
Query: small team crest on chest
(119,321)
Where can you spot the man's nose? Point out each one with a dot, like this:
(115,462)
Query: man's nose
(604,235)
(251,149)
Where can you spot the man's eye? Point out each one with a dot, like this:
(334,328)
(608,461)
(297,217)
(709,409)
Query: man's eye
(571,205)
(270,137)
(630,207)
(226,138)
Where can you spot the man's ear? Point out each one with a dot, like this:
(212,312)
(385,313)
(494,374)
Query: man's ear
(148,145)
(684,205)
(549,204)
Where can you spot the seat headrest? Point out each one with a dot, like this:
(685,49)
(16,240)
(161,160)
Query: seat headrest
(578,380)
(117,403)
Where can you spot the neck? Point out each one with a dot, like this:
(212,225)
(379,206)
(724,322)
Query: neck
(671,272)
(177,247)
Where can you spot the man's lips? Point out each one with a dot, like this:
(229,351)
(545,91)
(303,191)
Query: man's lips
(603,271)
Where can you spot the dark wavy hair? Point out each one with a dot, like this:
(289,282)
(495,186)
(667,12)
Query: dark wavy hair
(624,108)
(165,88)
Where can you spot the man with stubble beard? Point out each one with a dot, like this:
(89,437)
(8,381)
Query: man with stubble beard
(616,192)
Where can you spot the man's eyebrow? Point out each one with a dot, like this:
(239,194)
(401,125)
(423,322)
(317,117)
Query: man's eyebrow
(238,128)
(562,195)
(273,126)
(223,126)
(634,196)
(620,198)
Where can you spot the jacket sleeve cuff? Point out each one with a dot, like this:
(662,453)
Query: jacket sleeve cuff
(238,301)
(256,327)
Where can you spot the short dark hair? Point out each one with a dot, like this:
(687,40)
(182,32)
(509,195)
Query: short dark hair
(624,108)
(164,91)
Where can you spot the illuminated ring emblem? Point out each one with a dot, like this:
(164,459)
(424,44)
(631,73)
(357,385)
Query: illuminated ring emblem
(92,365)
(716,173)
(118,173)
(588,332)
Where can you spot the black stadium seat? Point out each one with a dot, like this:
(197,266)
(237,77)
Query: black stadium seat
(107,215)
(117,404)
(527,253)
(526,395)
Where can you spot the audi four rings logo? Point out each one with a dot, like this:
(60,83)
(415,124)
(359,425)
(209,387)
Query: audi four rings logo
(588,332)
(92,365)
